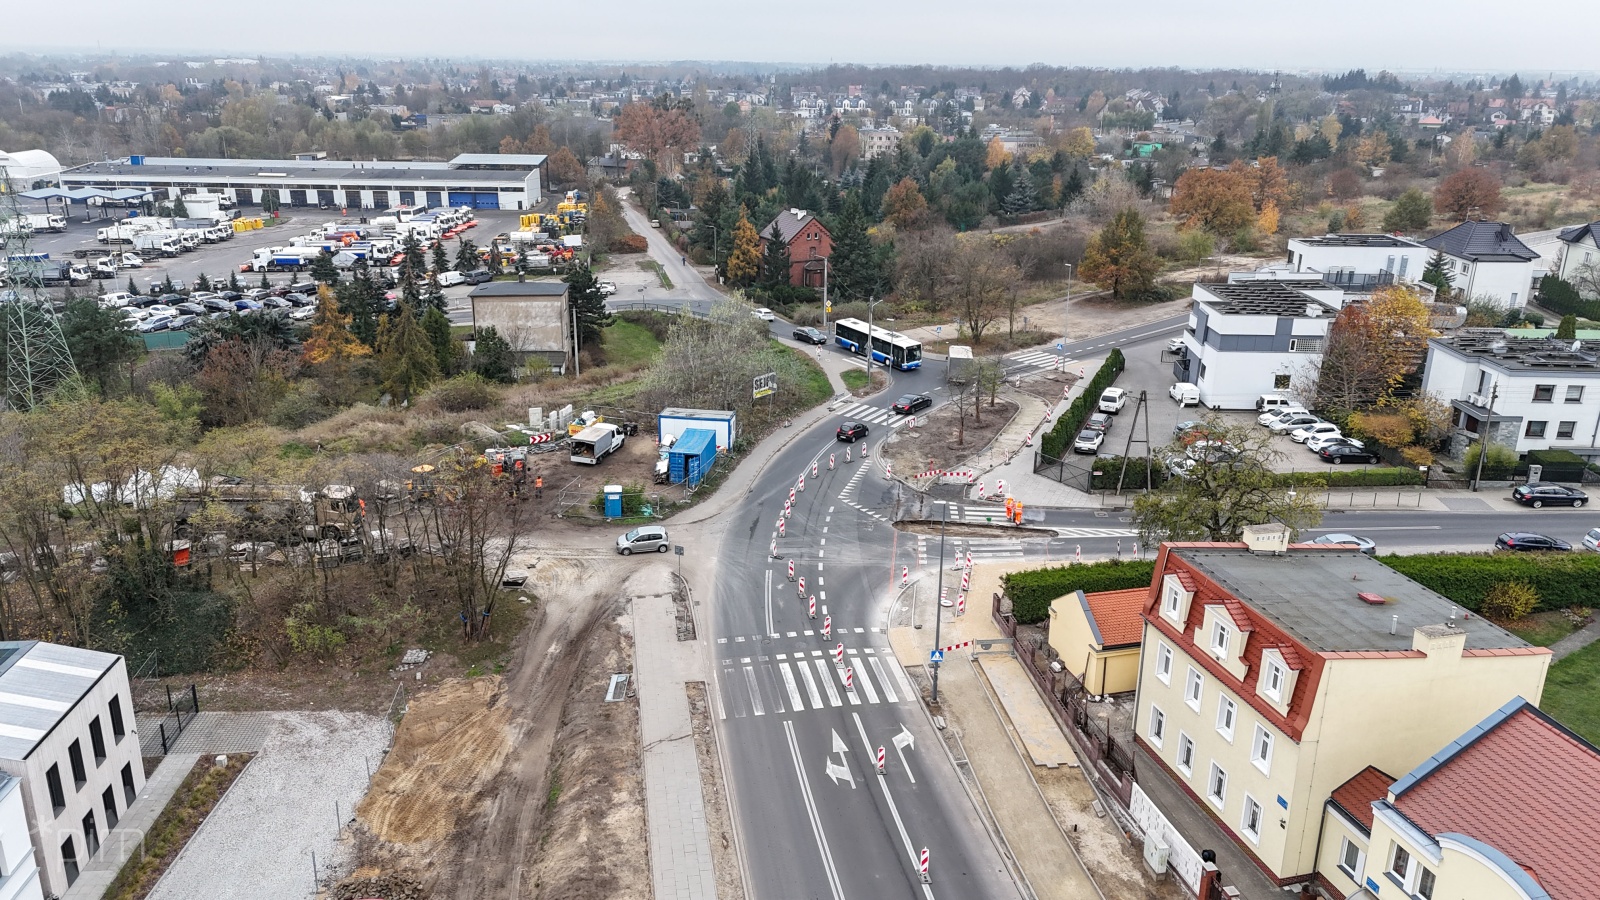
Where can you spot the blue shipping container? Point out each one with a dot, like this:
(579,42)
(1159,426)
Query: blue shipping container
(691,458)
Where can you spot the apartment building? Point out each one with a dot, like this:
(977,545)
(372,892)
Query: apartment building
(1359,262)
(1273,673)
(19,873)
(67,733)
(1504,812)
(1535,393)
(1255,335)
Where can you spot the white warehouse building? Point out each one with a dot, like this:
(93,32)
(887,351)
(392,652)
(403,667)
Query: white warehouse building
(1255,336)
(478,180)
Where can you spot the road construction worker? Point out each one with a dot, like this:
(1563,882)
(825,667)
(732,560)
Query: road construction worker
(538,485)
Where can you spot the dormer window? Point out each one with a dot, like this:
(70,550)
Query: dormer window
(1272,680)
(1174,600)
(1221,634)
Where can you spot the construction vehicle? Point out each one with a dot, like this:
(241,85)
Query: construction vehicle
(595,443)
(583,420)
(332,512)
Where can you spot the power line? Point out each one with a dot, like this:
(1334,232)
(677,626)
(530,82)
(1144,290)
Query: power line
(36,354)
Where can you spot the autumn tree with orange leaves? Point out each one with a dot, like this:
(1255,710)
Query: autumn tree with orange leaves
(1216,200)
(657,129)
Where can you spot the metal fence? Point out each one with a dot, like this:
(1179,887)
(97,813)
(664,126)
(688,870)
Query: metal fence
(1071,470)
(181,710)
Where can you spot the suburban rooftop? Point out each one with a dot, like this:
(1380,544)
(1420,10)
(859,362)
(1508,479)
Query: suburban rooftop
(1531,354)
(1359,240)
(519,289)
(1263,297)
(1311,595)
(1482,242)
(39,684)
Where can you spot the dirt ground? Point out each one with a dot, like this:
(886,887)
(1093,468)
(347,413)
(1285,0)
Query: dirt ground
(1113,860)
(718,822)
(933,446)
(634,464)
(476,802)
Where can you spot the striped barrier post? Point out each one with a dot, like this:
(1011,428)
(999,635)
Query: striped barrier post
(791,495)
(813,610)
(788,510)
(922,866)
(838,655)
(1000,488)
(1077,553)
(782,531)
(802,585)
(969,559)
(880,760)
(802,484)
(981,491)
(961,603)
(813,468)
(905,576)
(847,454)
(966,580)
(830,462)
(772,551)
(888,470)
(849,679)
(791,570)
(827,627)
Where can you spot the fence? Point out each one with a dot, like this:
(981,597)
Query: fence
(1071,470)
(1110,755)
(1181,857)
(181,710)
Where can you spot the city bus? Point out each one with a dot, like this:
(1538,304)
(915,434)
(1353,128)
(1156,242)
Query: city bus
(888,347)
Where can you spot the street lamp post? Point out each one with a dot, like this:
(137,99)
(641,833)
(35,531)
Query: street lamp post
(1066,305)
(938,611)
(1483,435)
(871,305)
(825,296)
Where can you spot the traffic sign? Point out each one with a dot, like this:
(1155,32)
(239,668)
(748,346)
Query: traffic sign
(1060,346)
(936,656)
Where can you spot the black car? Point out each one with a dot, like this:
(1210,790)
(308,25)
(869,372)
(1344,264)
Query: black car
(1343,453)
(1527,540)
(810,336)
(304,287)
(217,304)
(479,276)
(911,403)
(1537,494)
(850,432)
(230,296)
(190,309)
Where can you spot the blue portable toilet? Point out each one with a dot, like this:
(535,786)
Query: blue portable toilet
(613,501)
(692,456)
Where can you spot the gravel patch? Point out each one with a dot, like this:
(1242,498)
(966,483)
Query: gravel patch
(259,840)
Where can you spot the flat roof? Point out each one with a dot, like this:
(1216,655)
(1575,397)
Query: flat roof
(39,684)
(519,289)
(1360,240)
(1261,297)
(277,171)
(1311,595)
(502,160)
(1540,354)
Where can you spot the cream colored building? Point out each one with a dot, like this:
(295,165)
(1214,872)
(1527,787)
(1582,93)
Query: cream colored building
(533,316)
(1273,673)
(1505,811)
(1097,637)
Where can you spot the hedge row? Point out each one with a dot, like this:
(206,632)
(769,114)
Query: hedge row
(1562,297)
(1339,479)
(1058,439)
(1108,469)
(1562,579)
(1032,591)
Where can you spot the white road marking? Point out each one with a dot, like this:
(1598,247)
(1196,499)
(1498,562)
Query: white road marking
(850,693)
(755,692)
(888,689)
(900,677)
(811,812)
(825,669)
(883,782)
(866,683)
(811,686)
(794,692)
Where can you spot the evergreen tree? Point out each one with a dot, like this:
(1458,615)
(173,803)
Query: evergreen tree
(1024,196)
(132,288)
(744,259)
(857,272)
(102,341)
(775,263)
(588,305)
(441,259)
(445,347)
(360,299)
(1001,183)
(180,210)
(1436,274)
(1074,187)
(202,283)
(466,255)
(1119,259)
(266,283)
(413,267)
(492,359)
(233,282)
(323,269)
(406,358)
(713,204)
(433,297)
(1412,211)
(1567,329)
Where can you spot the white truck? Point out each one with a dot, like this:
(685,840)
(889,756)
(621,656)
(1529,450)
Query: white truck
(157,243)
(43,222)
(123,233)
(595,443)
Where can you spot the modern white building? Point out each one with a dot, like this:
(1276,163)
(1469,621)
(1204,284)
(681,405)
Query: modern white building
(1536,393)
(19,874)
(478,180)
(877,141)
(1485,259)
(1359,262)
(30,169)
(1580,258)
(67,732)
(1254,336)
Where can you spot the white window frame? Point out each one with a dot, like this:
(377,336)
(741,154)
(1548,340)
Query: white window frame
(1422,873)
(1164,663)
(1217,794)
(1275,671)
(1244,819)
(1221,635)
(1170,602)
(1394,853)
(1185,743)
(1194,689)
(1227,716)
(1261,750)
(1352,871)
(1158,725)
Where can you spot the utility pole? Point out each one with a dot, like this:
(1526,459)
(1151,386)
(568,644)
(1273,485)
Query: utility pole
(871,305)
(825,298)
(576,371)
(938,611)
(1483,435)
(1066,305)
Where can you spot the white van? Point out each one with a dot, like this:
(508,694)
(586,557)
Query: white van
(452,277)
(1185,393)
(1269,402)
(115,300)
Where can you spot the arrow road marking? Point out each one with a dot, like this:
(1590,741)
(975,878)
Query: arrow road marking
(811,812)
(842,768)
(901,741)
(883,782)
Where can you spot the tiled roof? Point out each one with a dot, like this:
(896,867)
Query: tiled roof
(1577,233)
(789,223)
(1482,242)
(1356,796)
(1522,784)
(1117,615)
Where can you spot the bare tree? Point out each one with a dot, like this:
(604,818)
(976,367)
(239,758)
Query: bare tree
(982,279)
(474,528)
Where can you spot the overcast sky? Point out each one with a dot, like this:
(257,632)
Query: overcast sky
(1412,35)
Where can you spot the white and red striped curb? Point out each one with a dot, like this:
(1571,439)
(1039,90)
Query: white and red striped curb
(968,474)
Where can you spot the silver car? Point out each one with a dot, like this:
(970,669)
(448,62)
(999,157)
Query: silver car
(644,539)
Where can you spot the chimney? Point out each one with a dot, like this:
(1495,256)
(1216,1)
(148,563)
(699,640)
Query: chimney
(1269,538)
(1313,310)
(1445,641)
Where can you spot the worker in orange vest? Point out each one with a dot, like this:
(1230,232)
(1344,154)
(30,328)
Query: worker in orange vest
(1011,506)
(538,485)
(1019,512)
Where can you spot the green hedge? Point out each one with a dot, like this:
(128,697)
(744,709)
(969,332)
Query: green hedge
(1031,591)
(1562,297)
(1107,469)
(1058,439)
(1562,579)
(1339,479)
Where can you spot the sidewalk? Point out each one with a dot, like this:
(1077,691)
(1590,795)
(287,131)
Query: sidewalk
(680,843)
(1186,813)
(1012,458)
(127,839)
(1575,641)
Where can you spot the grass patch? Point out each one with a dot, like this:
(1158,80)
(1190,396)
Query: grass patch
(651,265)
(1542,629)
(199,793)
(854,379)
(629,344)
(1572,692)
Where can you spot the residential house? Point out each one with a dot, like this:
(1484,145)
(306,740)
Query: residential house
(1485,259)
(1580,258)
(876,142)
(1097,637)
(1535,393)
(1359,262)
(67,732)
(1272,674)
(809,243)
(1254,335)
(533,316)
(1506,810)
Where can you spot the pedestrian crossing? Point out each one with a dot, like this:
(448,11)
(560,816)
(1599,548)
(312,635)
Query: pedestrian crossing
(957,548)
(807,680)
(850,485)
(872,415)
(978,513)
(1038,359)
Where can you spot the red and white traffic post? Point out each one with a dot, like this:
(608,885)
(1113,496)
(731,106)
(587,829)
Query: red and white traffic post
(1000,487)
(813,607)
(847,454)
(981,490)
(782,528)
(827,627)
(905,576)
(966,580)
(969,560)
(838,655)
(922,866)
(772,551)
(830,462)
(813,468)
(880,760)
(791,570)
(849,678)
(961,603)
(802,484)
(791,495)
(802,585)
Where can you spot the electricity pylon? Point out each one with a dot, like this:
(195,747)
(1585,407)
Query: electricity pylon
(36,354)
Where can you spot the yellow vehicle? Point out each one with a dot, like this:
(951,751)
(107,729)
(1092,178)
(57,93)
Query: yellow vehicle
(584,420)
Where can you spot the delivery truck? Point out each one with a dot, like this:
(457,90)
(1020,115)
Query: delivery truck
(595,443)
(157,243)
(43,222)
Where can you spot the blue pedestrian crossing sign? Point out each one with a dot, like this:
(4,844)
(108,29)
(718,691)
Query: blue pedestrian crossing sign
(936,656)
(1060,346)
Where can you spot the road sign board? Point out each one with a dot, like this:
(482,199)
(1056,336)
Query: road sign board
(936,656)
(677,549)
(765,385)
(1060,346)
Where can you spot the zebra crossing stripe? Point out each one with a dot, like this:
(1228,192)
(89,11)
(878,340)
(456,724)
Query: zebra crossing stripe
(888,689)
(865,684)
(755,692)
(811,685)
(794,692)
(824,668)
(900,678)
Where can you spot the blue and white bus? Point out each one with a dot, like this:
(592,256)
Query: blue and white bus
(888,347)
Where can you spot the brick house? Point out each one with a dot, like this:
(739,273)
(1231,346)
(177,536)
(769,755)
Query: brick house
(809,245)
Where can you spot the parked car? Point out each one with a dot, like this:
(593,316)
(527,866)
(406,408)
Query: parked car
(1112,400)
(911,403)
(179,323)
(1591,539)
(1185,393)
(1267,402)
(280,302)
(1292,423)
(810,335)
(290,299)
(1538,493)
(1365,545)
(1315,429)
(155,323)
(1315,444)
(850,432)
(764,314)
(1527,540)
(1339,454)
(217,304)
(451,278)
(190,309)
(161,309)
(480,276)
(1088,441)
(1271,416)
(1183,428)
(303,287)
(644,539)
(1176,345)
(1099,422)
(303,313)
